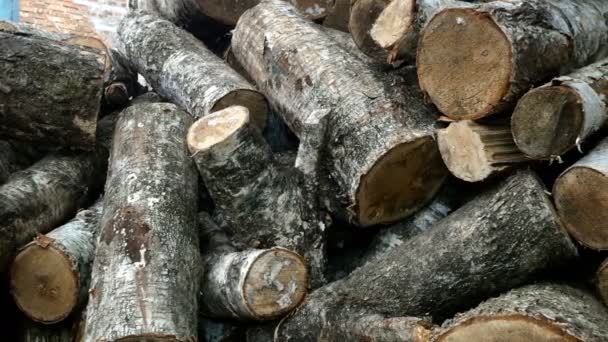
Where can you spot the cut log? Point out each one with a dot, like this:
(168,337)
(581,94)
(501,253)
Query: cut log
(499,240)
(382,163)
(51,100)
(475,62)
(14,157)
(557,117)
(475,152)
(378,328)
(146,273)
(262,203)
(581,198)
(363,15)
(539,312)
(601,281)
(248,285)
(183,70)
(41,197)
(120,84)
(50,276)
(338,15)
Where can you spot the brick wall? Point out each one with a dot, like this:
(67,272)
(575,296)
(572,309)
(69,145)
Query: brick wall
(84,17)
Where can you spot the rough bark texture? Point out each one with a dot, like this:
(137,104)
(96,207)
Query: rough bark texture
(262,203)
(50,91)
(14,157)
(50,276)
(495,242)
(372,327)
(475,152)
(539,312)
(120,84)
(145,277)
(372,124)
(251,284)
(601,281)
(560,115)
(475,62)
(581,198)
(183,70)
(41,197)
(338,15)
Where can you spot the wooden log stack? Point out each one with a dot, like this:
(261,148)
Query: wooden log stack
(442,173)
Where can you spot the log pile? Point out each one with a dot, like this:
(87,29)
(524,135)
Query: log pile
(309,170)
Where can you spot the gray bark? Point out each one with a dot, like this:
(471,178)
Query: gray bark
(50,91)
(145,277)
(303,70)
(497,241)
(557,312)
(183,70)
(14,157)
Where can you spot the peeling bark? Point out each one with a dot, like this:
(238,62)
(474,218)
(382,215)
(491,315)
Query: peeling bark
(146,273)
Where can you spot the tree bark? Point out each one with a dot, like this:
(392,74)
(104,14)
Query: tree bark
(601,281)
(581,198)
(50,276)
(373,125)
(51,100)
(338,15)
(120,84)
(183,70)
(39,198)
(248,285)
(263,203)
(475,152)
(538,312)
(499,240)
(14,157)
(373,327)
(560,115)
(475,62)
(146,270)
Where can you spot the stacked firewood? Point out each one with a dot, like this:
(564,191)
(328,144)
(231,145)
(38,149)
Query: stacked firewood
(310,170)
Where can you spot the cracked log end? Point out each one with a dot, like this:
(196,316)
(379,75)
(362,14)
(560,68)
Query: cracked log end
(547,121)
(464,63)
(44,283)
(602,281)
(215,128)
(275,284)
(400,182)
(580,195)
(254,101)
(506,328)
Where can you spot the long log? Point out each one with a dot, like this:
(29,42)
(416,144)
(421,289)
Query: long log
(475,62)
(552,119)
(539,312)
(262,203)
(146,270)
(50,91)
(183,70)
(475,152)
(495,242)
(50,276)
(581,198)
(382,163)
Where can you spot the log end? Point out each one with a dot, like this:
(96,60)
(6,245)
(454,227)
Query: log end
(506,328)
(254,101)
(363,15)
(464,63)
(276,283)
(400,182)
(394,23)
(216,127)
(463,152)
(44,283)
(578,192)
(547,121)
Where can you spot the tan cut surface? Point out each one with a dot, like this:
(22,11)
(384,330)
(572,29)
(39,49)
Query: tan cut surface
(463,152)
(464,63)
(394,23)
(400,182)
(44,283)
(276,283)
(254,101)
(216,127)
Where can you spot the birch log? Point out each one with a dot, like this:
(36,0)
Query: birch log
(601,281)
(183,70)
(50,276)
(146,270)
(475,152)
(581,198)
(475,62)
(262,203)
(382,163)
(539,312)
(497,241)
(50,91)
(255,284)
(41,197)
(552,119)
